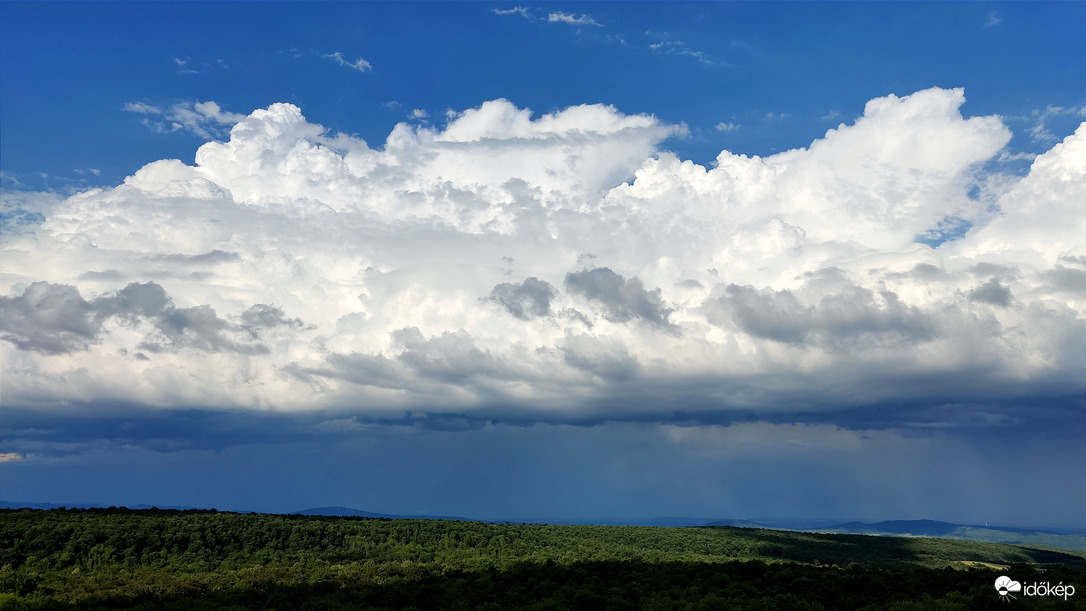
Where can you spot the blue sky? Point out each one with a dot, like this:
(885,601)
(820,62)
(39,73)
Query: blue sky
(71,68)
(546,261)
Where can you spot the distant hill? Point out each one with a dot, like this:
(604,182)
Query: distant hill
(739,524)
(973,532)
(670,522)
(349,512)
(24,505)
(926,528)
(21,505)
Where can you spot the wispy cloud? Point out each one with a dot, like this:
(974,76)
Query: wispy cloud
(7,177)
(10,457)
(993,19)
(359,64)
(560,17)
(183,66)
(186,65)
(142,108)
(553,17)
(203,119)
(1040,131)
(666,45)
(517,10)
(726,127)
(1005,156)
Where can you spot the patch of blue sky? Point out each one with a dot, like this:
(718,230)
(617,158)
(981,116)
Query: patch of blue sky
(779,73)
(949,228)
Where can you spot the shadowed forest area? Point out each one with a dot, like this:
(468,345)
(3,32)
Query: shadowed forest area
(160,559)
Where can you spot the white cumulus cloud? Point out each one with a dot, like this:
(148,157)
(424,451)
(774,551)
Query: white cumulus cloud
(558,267)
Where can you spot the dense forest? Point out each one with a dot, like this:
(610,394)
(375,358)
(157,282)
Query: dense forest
(159,559)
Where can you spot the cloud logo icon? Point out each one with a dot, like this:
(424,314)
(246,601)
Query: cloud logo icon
(1005,585)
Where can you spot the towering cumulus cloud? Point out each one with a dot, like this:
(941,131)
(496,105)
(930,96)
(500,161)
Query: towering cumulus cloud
(564,268)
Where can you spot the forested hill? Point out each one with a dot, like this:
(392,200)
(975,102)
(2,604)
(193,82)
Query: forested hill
(160,559)
(993,534)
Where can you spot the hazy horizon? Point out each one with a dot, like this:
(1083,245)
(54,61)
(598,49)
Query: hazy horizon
(515,262)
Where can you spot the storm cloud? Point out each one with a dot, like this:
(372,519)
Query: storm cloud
(564,267)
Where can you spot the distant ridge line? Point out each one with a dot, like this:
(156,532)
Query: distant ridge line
(933,528)
(1069,539)
(347,512)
